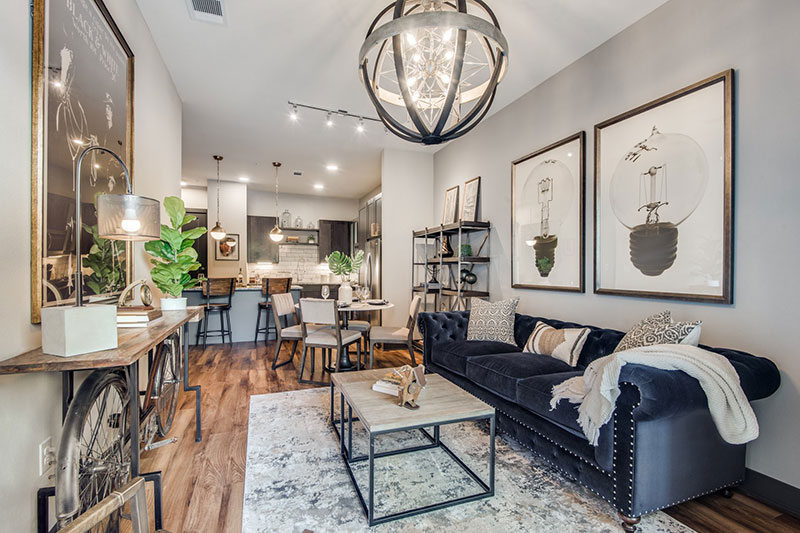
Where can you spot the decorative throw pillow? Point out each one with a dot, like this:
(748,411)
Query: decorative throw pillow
(660,329)
(564,344)
(492,321)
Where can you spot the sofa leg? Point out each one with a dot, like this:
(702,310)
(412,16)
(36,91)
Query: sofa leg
(628,523)
(726,492)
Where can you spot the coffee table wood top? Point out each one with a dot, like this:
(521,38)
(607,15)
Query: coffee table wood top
(132,344)
(440,402)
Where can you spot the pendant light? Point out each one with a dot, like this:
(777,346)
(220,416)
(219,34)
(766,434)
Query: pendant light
(217,232)
(275,233)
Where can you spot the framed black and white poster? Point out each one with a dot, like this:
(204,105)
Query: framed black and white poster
(663,196)
(450,211)
(227,248)
(547,205)
(469,207)
(82,87)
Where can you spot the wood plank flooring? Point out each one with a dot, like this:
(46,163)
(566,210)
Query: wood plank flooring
(204,482)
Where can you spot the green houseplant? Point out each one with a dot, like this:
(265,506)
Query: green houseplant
(344,265)
(173,255)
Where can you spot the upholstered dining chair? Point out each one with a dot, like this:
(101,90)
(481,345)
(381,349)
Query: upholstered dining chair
(218,294)
(320,312)
(283,308)
(395,335)
(269,286)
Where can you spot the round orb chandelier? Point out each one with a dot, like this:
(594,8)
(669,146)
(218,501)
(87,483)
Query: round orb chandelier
(431,67)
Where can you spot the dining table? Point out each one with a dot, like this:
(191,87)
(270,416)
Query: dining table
(345,312)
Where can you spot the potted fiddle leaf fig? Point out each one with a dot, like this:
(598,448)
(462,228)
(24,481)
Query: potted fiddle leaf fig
(344,265)
(173,255)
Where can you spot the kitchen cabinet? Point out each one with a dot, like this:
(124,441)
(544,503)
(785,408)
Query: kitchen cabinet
(260,248)
(334,235)
(362,229)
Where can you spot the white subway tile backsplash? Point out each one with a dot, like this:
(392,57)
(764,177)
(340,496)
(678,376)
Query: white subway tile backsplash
(302,263)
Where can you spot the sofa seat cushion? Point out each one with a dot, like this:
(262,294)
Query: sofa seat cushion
(499,373)
(534,394)
(453,355)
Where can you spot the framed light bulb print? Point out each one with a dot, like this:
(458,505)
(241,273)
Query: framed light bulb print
(663,196)
(547,205)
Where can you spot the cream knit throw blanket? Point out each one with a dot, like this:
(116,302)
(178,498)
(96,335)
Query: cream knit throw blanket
(597,390)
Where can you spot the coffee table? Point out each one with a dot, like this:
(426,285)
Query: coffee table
(441,403)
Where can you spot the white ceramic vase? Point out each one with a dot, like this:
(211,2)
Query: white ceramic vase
(173,304)
(345,292)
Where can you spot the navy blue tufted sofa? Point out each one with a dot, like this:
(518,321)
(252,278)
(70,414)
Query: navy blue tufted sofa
(661,448)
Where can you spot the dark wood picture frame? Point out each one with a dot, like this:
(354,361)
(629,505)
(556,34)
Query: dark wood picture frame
(235,256)
(581,178)
(727,79)
(464,201)
(39,146)
(452,190)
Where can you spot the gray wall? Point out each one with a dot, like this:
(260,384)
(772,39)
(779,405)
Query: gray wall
(681,42)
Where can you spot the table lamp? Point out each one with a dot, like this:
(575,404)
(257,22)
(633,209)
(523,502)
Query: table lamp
(80,329)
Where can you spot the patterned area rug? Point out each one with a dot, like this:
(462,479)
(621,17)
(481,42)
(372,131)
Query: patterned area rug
(296,480)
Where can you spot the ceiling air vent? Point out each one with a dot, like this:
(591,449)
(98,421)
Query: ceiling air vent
(206,11)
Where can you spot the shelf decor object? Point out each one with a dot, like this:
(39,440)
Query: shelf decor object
(276,234)
(664,196)
(68,331)
(217,232)
(173,256)
(82,95)
(547,206)
(469,208)
(433,65)
(450,209)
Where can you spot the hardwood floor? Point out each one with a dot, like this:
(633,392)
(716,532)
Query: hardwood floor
(204,482)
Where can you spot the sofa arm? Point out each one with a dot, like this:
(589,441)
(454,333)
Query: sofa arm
(440,327)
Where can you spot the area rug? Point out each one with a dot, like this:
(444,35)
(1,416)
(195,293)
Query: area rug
(296,481)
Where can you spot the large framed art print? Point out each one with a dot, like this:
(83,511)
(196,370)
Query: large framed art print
(547,205)
(82,90)
(664,196)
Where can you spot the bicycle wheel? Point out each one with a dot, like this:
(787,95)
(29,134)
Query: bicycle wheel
(94,455)
(167,385)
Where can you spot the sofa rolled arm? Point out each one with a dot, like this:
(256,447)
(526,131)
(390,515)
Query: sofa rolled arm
(440,327)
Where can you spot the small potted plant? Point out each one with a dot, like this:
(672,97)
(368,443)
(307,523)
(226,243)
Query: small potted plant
(173,255)
(344,265)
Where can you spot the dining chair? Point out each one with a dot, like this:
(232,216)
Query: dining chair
(393,335)
(269,286)
(331,336)
(282,308)
(214,290)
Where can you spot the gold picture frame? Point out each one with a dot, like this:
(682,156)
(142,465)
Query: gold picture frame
(48,77)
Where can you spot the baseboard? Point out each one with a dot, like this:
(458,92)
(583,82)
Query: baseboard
(769,490)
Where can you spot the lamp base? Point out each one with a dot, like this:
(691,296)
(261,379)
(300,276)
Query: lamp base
(69,331)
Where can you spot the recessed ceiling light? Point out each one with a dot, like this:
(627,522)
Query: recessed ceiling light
(319,186)
(293,115)
(332,167)
(360,127)
(329,120)
(184,184)
(569,154)
(244,179)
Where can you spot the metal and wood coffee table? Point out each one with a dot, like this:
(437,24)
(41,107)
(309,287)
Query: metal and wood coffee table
(441,403)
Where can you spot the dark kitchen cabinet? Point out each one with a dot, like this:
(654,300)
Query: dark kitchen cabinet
(334,235)
(362,229)
(260,248)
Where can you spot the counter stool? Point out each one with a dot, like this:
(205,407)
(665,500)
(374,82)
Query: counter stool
(269,286)
(219,295)
(319,312)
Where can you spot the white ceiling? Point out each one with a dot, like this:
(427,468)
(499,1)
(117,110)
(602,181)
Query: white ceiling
(235,80)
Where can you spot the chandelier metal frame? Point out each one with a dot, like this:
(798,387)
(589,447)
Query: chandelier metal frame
(406,21)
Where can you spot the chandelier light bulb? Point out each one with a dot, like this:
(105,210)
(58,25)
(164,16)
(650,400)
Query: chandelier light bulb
(411,39)
(448,34)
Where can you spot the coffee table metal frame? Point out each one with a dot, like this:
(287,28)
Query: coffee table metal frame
(368,506)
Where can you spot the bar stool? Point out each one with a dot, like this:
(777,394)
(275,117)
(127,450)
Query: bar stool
(319,312)
(215,289)
(269,286)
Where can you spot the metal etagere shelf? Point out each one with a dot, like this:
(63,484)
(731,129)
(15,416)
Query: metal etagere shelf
(451,293)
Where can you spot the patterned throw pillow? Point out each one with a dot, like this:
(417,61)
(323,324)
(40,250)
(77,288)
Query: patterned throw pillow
(564,344)
(492,321)
(660,329)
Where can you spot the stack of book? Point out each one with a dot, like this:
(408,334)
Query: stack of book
(136,317)
(389,384)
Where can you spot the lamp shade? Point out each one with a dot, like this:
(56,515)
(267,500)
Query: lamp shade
(127,217)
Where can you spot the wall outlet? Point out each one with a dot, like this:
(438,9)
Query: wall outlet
(47,456)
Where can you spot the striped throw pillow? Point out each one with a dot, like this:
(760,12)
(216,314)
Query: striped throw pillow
(564,344)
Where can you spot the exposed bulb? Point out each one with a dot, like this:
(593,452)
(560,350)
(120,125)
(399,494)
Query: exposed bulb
(411,39)
(131,225)
(448,55)
(275,234)
(447,34)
